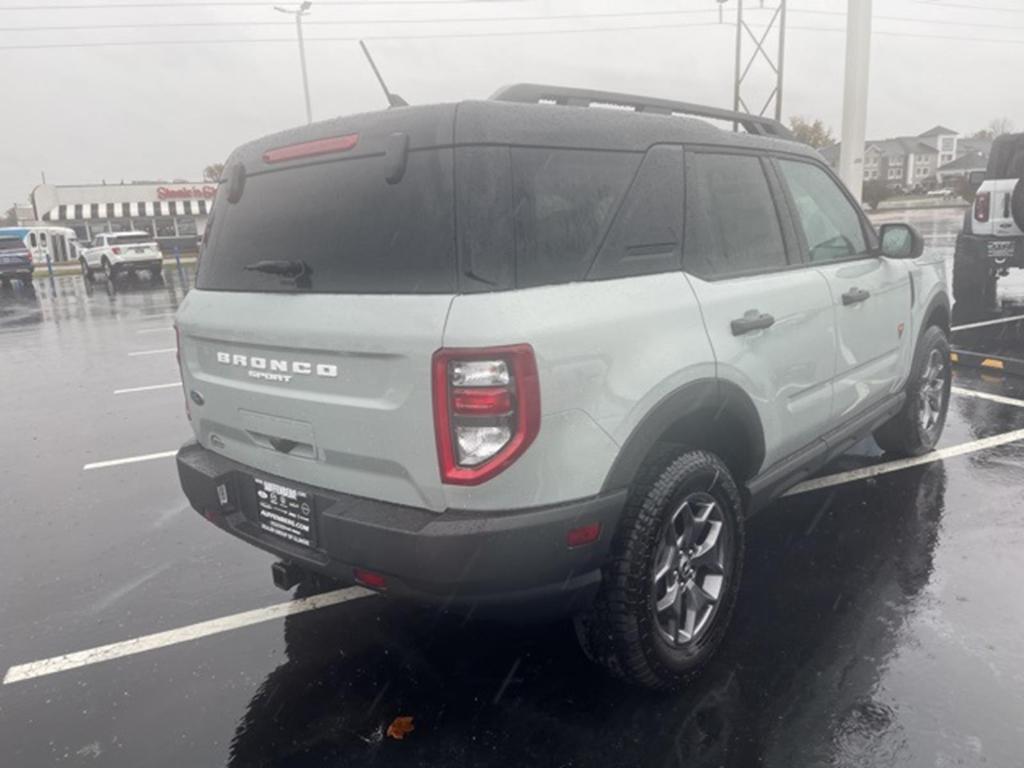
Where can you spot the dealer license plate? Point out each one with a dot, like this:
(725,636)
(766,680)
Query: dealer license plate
(1001,250)
(285,512)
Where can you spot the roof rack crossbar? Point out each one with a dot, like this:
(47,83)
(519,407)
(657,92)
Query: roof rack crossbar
(530,93)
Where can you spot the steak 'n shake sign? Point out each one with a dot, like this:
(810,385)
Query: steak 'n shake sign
(205,192)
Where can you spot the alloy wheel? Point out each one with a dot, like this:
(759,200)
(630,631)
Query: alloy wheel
(689,569)
(932,392)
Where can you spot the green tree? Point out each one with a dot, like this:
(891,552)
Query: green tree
(213,172)
(815,133)
(875,191)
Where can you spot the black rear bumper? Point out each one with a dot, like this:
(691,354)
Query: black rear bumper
(503,564)
(975,248)
(17,270)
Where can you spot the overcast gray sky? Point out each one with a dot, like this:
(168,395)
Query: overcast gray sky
(147,110)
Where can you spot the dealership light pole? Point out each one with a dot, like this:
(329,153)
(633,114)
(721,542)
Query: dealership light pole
(855,95)
(298,14)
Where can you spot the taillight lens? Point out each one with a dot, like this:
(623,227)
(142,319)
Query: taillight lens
(181,372)
(116,250)
(486,410)
(982,204)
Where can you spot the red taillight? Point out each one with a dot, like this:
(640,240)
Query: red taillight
(311,148)
(181,372)
(486,410)
(982,204)
(116,251)
(370,579)
(481,401)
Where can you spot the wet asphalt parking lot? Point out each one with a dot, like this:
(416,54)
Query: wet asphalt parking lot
(879,624)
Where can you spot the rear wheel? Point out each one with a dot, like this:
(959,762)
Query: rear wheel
(918,426)
(108,269)
(669,591)
(86,272)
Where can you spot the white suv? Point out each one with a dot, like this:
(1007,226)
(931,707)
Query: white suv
(522,356)
(115,252)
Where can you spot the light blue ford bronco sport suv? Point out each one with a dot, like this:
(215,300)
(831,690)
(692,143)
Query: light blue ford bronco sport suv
(537,356)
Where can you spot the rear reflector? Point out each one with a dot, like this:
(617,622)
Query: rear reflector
(370,579)
(311,148)
(585,534)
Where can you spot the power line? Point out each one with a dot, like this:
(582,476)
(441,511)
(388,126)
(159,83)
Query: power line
(242,4)
(497,33)
(987,8)
(347,22)
(469,19)
(438,36)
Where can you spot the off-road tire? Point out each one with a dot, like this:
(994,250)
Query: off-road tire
(1017,204)
(619,631)
(903,434)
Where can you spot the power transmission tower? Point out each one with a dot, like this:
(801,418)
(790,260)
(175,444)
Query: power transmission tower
(753,46)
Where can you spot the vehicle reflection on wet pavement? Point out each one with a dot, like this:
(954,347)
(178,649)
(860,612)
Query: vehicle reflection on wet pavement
(878,623)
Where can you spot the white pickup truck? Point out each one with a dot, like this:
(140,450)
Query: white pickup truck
(117,252)
(992,239)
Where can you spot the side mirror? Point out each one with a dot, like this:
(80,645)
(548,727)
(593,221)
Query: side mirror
(901,241)
(976,178)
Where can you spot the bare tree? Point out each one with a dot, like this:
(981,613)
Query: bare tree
(997,127)
(213,172)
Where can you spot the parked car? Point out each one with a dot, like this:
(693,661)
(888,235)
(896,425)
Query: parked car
(520,357)
(15,259)
(116,252)
(992,239)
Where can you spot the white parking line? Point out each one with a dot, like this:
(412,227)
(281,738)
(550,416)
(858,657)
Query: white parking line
(987,396)
(168,329)
(215,626)
(129,460)
(147,389)
(841,478)
(152,351)
(983,323)
(180,635)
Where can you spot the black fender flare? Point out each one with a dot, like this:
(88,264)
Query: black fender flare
(940,301)
(708,394)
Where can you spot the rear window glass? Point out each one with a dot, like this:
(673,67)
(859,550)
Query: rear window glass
(564,202)
(129,239)
(12,244)
(352,231)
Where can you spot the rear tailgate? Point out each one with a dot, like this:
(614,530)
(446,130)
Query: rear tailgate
(332,391)
(321,373)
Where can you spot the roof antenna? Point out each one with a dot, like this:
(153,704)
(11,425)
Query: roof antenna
(394,100)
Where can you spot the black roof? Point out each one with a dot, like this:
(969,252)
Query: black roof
(523,115)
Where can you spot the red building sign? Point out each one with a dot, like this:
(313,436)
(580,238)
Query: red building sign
(205,192)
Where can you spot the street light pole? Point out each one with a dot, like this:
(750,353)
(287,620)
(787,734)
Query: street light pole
(298,14)
(855,95)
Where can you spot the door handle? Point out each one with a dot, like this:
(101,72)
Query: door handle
(855,296)
(752,320)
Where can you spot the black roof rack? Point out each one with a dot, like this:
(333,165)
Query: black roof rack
(530,93)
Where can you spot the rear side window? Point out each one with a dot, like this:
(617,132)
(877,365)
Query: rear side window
(564,201)
(830,224)
(12,244)
(732,226)
(352,230)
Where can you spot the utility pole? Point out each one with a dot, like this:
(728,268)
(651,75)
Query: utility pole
(760,52)
(298,14)
(855,95)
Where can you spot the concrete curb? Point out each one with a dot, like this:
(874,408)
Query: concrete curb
(1010,365)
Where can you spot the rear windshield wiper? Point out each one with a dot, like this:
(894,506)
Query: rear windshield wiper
(292,269)
(285,267)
